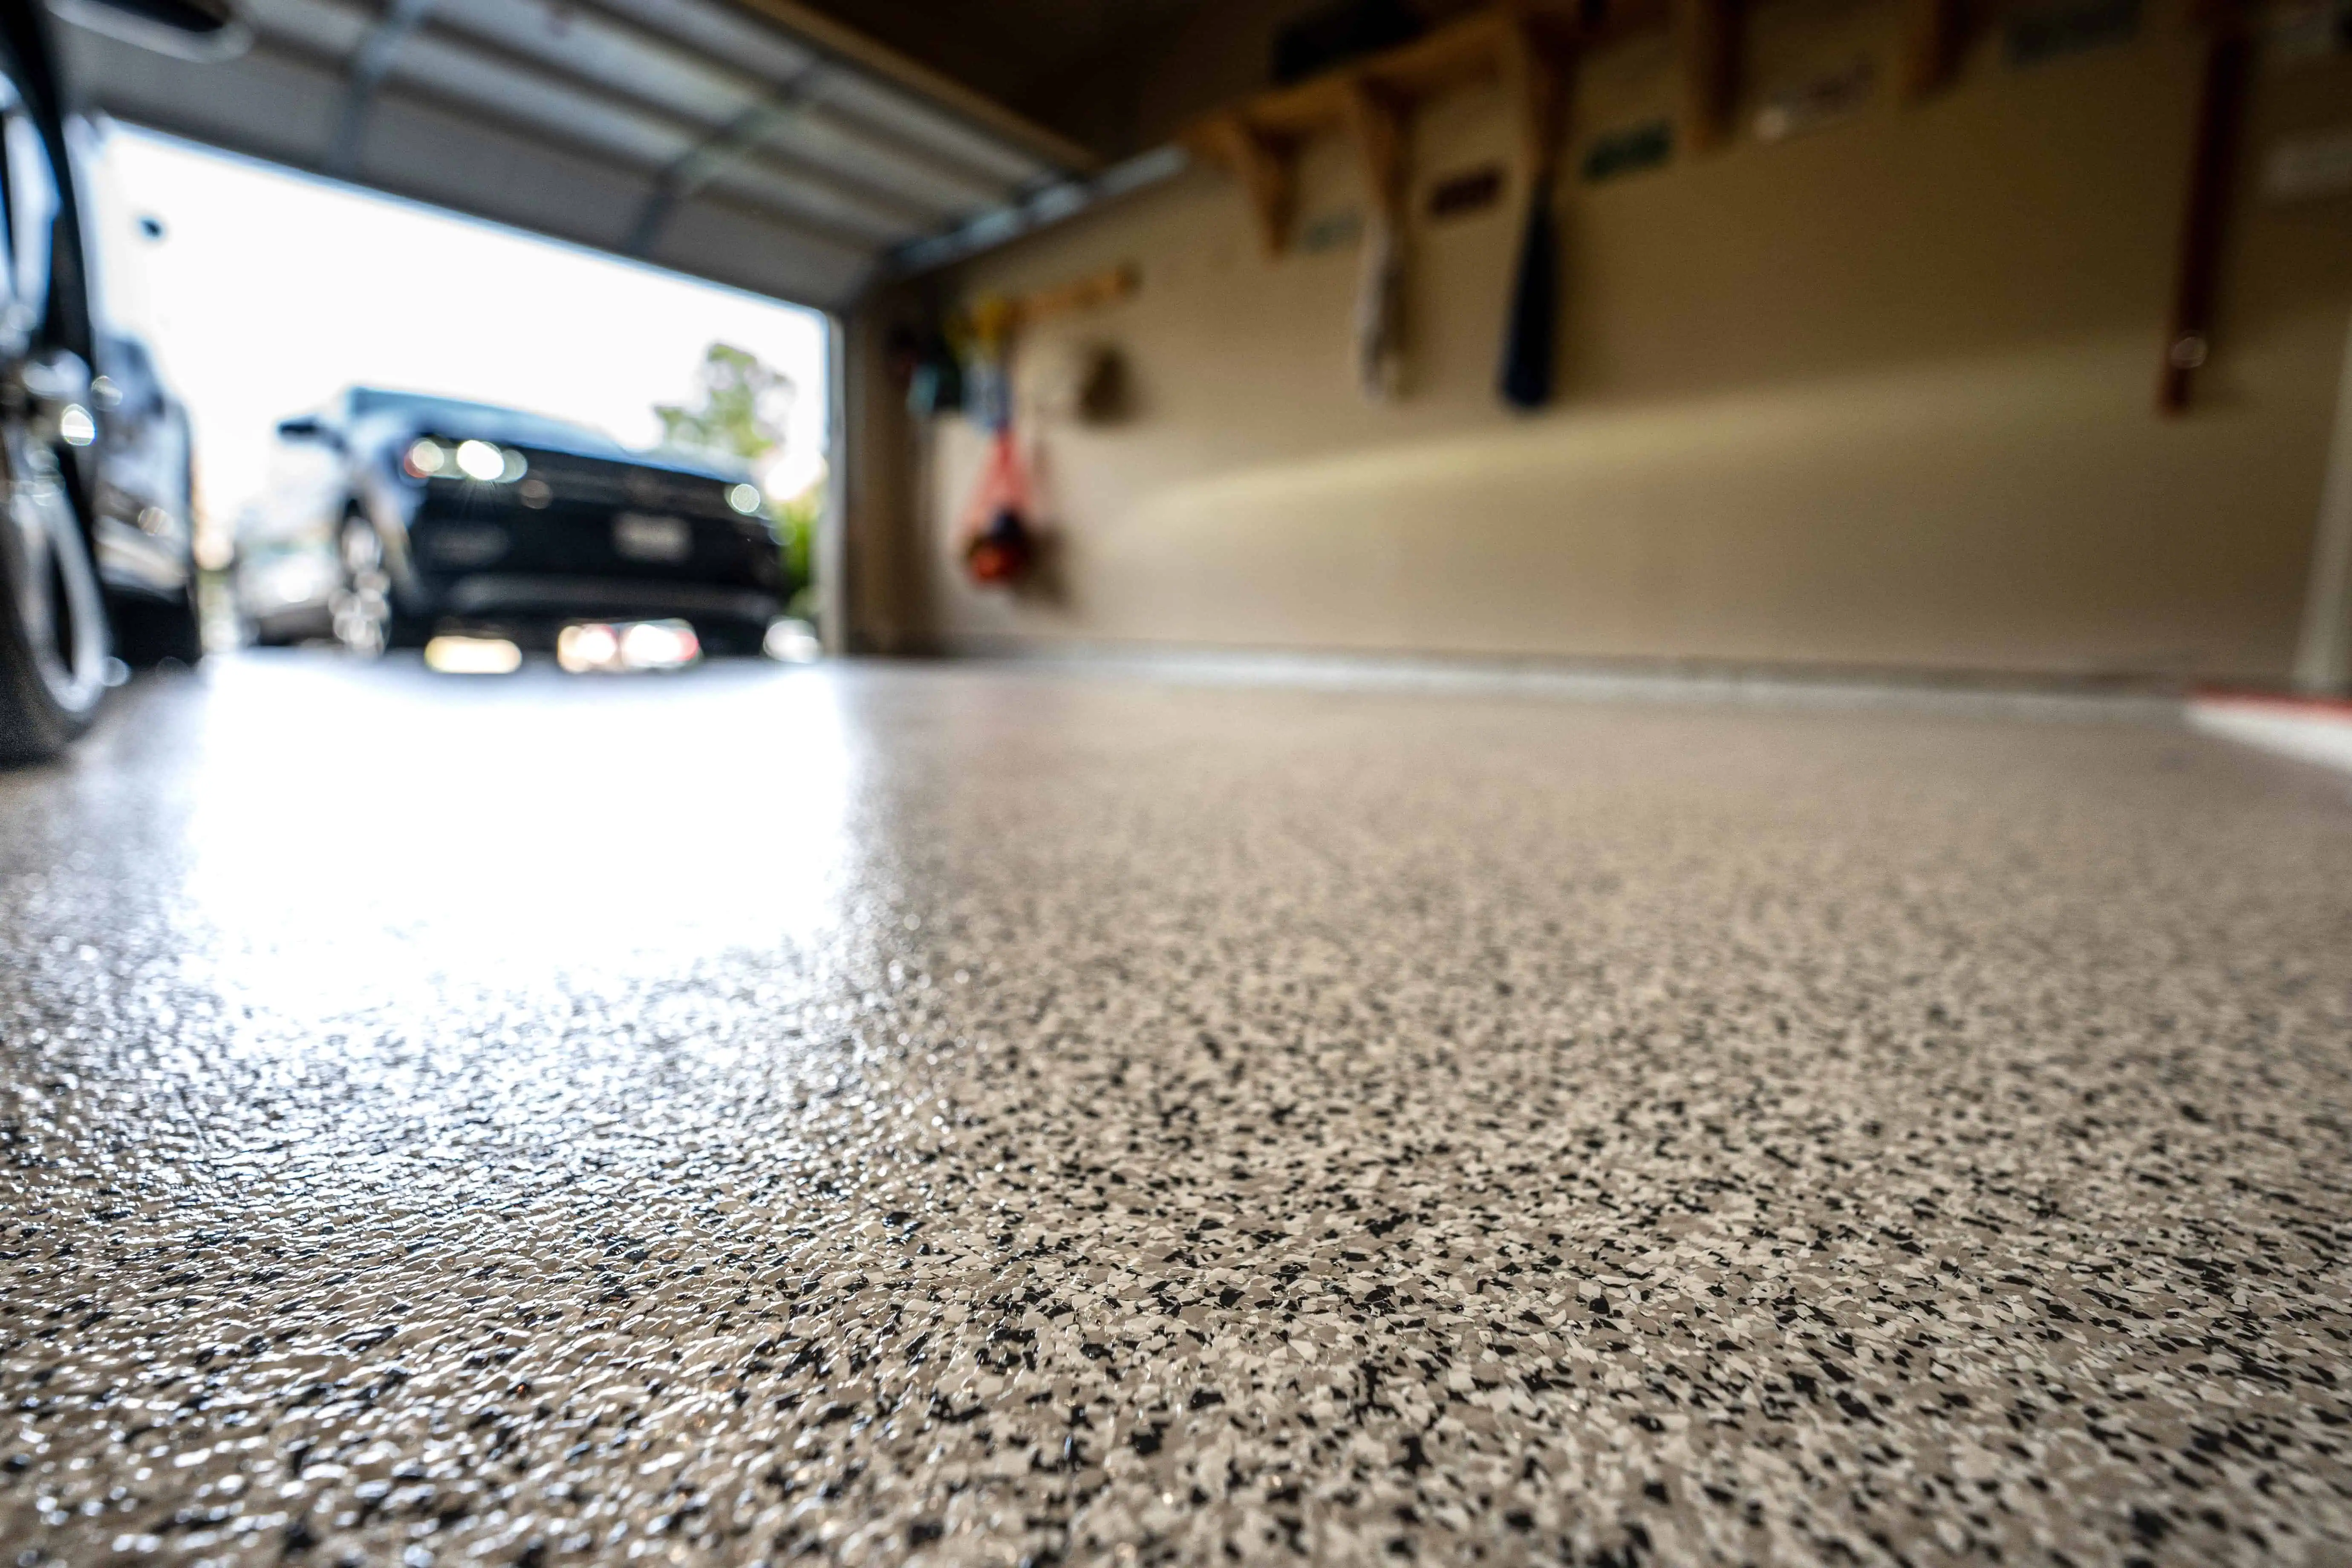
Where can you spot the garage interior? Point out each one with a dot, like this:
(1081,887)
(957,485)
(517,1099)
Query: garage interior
(1594,909)
(1874,396)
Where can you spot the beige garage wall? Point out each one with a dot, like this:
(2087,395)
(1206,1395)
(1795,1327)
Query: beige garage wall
(1879,395)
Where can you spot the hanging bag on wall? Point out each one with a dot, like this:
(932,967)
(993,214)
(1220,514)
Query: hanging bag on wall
(999,544)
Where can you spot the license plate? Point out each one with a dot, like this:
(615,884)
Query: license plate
(643,538)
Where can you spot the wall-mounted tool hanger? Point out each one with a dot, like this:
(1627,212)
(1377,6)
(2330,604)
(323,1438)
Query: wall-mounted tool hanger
(1374,99)
(1707,36)
(1531,45)
(1376,121)
(1933,42)
(1091,292)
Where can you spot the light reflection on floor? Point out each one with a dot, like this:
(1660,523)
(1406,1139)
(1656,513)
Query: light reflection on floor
(352,826)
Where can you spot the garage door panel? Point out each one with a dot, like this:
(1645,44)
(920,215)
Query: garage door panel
(619,59)
(761,253)
(726,33)
(423,152)
(429,63)
(818,134)
(868,175)
(331,29)
(435,65)
(871,218)
(718,33)
(266,104)
(705,136)
(932,130)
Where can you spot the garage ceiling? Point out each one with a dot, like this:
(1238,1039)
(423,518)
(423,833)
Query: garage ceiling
(755,142)
(1072,65)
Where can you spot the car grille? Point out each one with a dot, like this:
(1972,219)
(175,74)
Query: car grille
(472,529)
(591,481)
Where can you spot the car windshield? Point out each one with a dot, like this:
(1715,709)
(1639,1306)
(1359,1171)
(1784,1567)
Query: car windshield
(455,416)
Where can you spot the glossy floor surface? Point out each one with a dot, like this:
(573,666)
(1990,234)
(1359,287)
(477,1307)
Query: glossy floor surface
(984,1116)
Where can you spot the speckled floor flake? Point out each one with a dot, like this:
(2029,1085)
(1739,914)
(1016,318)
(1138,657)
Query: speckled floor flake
(957,1115)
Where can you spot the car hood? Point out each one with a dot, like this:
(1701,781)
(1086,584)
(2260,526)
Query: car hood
(534,435)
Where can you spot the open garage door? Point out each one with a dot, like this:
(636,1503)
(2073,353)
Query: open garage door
(751,144)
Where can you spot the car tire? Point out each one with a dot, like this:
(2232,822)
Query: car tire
(363,605)
(53,631)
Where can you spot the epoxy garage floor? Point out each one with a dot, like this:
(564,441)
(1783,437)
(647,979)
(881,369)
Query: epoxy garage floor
(964,1116)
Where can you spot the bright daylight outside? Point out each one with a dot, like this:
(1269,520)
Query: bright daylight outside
(323,341)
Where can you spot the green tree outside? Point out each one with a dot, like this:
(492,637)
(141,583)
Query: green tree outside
(740,413)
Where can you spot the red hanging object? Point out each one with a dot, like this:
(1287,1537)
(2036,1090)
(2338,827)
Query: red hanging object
(1000,546)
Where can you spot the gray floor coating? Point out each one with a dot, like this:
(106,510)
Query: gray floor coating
(965,1115)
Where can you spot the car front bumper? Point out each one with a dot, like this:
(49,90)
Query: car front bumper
(530,571)
(500,595)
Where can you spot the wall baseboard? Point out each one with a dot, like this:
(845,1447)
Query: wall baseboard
(2308,729)
(1795,686)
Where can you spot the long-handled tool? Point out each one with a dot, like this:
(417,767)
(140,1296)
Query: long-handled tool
(1531,335)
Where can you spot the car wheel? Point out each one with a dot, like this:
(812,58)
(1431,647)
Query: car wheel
(53,641)
(362,606)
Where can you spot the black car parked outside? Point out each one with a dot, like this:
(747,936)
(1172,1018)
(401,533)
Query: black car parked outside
(395,516)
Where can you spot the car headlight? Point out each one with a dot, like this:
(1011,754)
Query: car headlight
(425,458)
(430,457)
(746,498)
(490,463)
